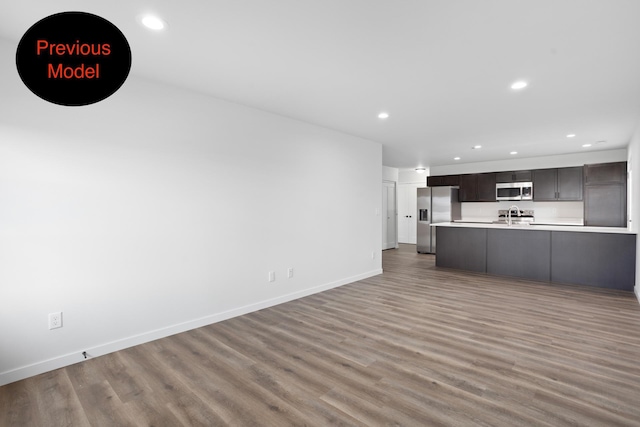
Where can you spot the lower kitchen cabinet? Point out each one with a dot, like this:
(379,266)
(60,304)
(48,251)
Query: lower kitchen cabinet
(594,259)
(507,256)
(462,248)
(606,260)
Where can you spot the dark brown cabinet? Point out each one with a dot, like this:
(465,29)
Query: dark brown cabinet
(477,187)
(468,188)
(545,184)
(570,183)
(605,205)
(603,187)
(516,176)
(605,260)
(605,173)
(462,248)
(443,181)
(605,194)
(557,184)
(487,187)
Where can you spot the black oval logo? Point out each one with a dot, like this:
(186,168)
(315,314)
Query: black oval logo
(73,58)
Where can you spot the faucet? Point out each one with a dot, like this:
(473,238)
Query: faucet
(509,214)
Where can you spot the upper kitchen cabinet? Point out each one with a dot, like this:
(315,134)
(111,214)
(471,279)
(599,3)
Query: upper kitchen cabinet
(605,194)
(569,183)
(557,184)
(443,181)
(605,173)
(477,187)
(545,184)
(516,176)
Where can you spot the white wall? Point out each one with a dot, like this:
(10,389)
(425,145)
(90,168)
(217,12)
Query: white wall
(159,210)
(568,212)
(410,176)
(389,174)
(633,196)
(566,160)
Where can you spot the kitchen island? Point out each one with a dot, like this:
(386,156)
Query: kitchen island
(594,256)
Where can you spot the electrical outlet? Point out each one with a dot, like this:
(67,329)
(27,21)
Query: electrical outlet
(373,255)
(55,320)
(272,276)
(290,272)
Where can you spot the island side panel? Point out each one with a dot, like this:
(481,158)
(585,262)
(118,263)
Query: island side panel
(462,248)
(519,253)
(604,260)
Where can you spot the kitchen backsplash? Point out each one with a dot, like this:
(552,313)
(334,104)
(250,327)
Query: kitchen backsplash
(544,211)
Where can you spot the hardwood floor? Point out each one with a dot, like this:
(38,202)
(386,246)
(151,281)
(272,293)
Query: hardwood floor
(416,346)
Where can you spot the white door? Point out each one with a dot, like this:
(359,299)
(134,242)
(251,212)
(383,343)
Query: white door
(403,214)
(407,211)
(389,212)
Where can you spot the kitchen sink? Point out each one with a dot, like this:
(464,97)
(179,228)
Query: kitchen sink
(514,223)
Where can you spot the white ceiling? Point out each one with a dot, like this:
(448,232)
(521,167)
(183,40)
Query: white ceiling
(441,68)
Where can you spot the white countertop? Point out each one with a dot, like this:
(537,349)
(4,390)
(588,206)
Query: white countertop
(538,221)
(539,227)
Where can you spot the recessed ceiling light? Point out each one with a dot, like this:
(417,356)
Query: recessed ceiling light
(520,84)
(420,170)
(456,158)
(383,115)
(571,135)
(153,22)
(477,147)
(513,152)
(586,145)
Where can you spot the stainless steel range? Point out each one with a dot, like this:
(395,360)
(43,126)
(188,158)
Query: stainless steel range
(521,217)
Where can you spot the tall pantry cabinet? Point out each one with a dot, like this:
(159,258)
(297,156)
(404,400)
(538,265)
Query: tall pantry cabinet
(605,194)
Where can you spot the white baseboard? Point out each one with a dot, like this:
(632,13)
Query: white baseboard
(100,350)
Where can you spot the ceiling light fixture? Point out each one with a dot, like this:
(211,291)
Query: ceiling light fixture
(571,135)
(456,158)
(476,147)
(521,84)
(513,152)
(383,115)
(586,145)
(153,22)
(420,170)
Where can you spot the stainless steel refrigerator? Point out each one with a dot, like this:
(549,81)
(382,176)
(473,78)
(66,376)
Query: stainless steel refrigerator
(435,204)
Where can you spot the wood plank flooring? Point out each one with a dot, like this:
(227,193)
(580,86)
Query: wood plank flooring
(416,346)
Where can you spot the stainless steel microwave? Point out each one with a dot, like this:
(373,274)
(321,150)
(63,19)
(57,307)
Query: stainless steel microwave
(514,191)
